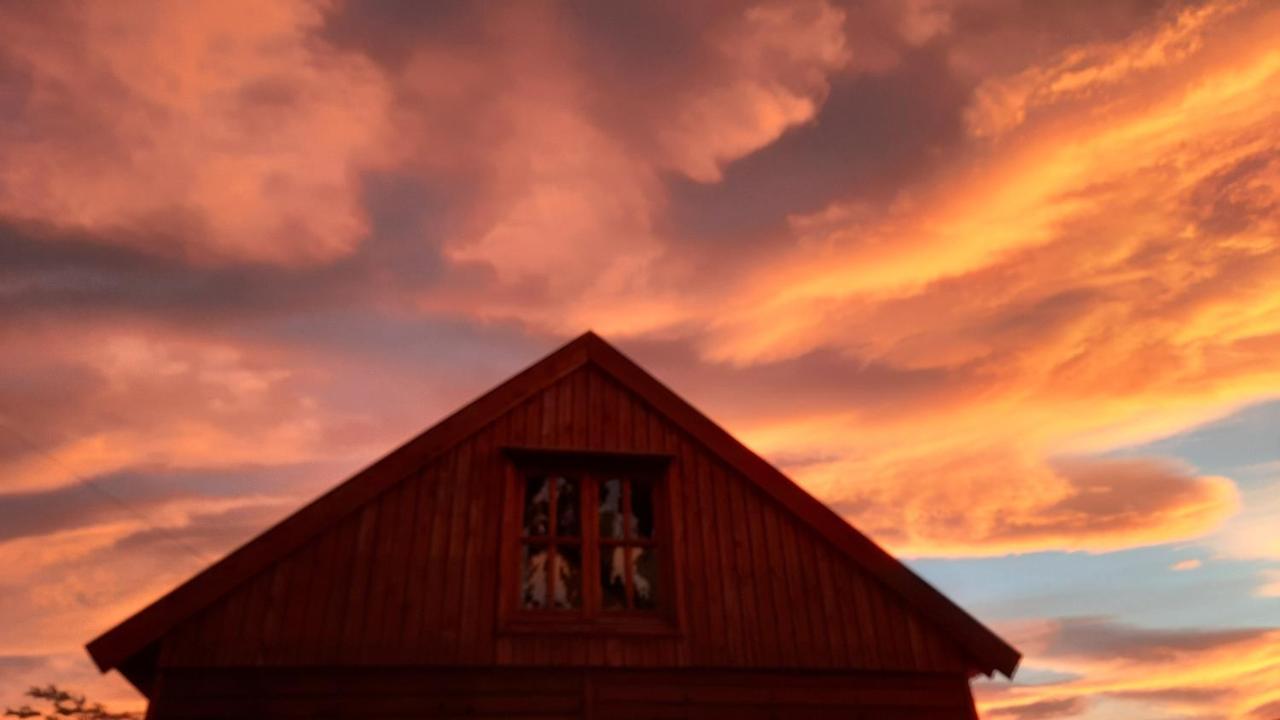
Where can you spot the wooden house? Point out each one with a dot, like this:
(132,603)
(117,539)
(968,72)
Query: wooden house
(579,542)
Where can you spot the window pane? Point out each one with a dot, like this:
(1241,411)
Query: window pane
(641,510)
(613,579)
(644,577)
(533,577)
(537,514)
(566,507)
(611,509)
(568,577)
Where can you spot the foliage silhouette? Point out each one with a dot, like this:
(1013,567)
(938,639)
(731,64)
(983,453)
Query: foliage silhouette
(62,705)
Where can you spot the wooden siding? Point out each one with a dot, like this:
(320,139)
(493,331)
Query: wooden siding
(410,578)
(577,694)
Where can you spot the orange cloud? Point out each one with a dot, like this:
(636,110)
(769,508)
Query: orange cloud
(1100,276)
(1092,282)
(993,504)
(1141,672)
(1002,104)
(148,396)
(214,130)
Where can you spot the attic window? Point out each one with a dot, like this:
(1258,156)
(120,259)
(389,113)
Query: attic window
(589,547)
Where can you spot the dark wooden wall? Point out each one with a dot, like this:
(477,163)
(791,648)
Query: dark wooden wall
(411,578)
(563,694)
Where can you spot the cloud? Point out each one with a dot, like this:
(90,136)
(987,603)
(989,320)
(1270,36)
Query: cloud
(158,495)
(1092,504)
(65,585)
(237,402)
(1098,638)
(566,171)
(1089,286)
(1002,104)
(1065,707)
(1179,673)
(1271,585)
(777,58)
(906,325)
(242,144)
(939,260)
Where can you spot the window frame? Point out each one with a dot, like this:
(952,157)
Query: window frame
(591,468)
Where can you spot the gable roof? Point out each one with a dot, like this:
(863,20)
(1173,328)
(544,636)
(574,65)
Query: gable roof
(129,645)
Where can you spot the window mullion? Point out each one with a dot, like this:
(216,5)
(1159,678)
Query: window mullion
(626,537)
(551,507)
(590,524)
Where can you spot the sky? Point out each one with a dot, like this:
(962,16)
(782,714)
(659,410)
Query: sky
(994,279)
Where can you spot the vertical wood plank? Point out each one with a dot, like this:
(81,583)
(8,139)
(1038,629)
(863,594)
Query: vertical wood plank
(609,421)
(324,585)
(297,600)
(481,522)
(744,574)
(888,639)
(580,413)
(459,538)
(564,412)
(417,589)
(373,613)
(399,568)
(757,578)
(383,574)
(232,628)
(624,417)
(496,487)
(919,653)
(254,617)
(727,622)
(430,641)
(820,638)
(783,540)
(358,592)
(282,576)
(335,614)
(902,638)
(855,637)
(868,623)
(639,424)
(658,432)
(199,635)
(770,582)
(547,431)
(702,650)
(677,583)
(816,551)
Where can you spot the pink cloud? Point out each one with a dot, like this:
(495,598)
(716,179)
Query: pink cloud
(218,131)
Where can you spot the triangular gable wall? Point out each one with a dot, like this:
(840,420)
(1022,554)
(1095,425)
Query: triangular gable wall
(325,586)
(761,588)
